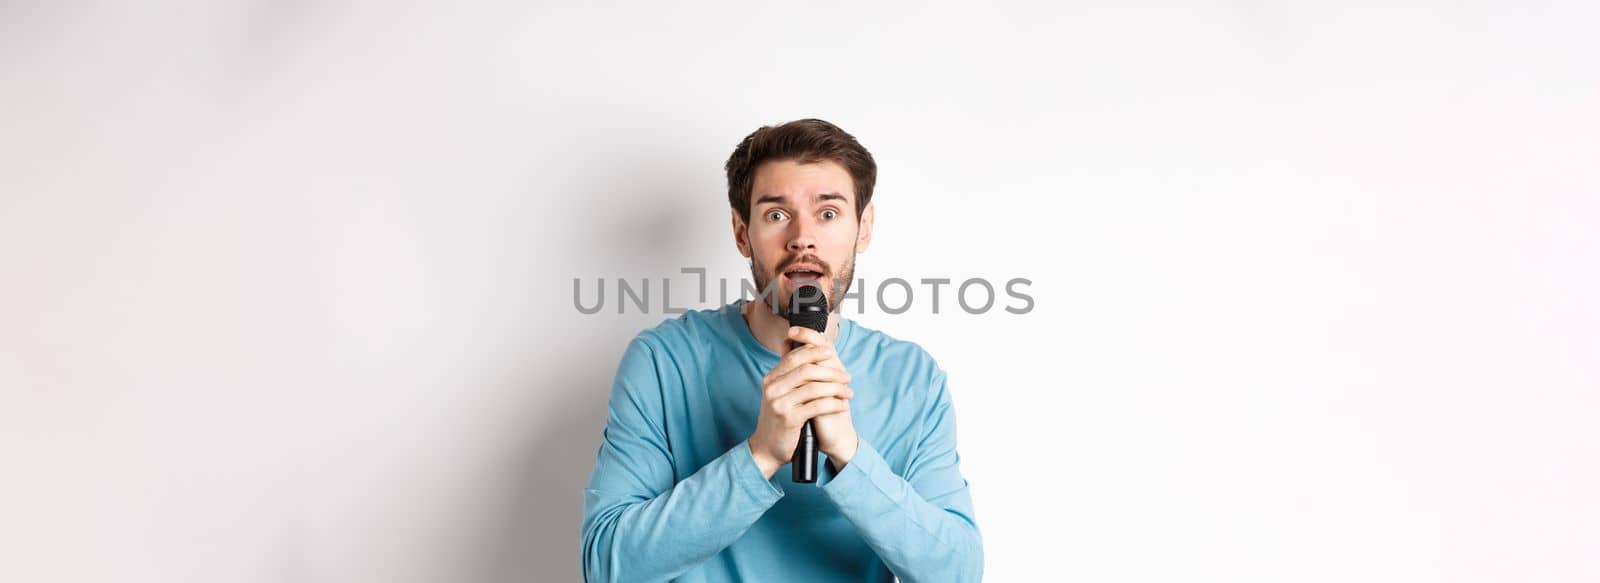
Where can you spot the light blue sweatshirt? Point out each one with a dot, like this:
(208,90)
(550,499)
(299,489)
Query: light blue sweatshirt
(676,493)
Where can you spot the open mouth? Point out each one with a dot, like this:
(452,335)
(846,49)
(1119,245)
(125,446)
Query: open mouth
(802,274)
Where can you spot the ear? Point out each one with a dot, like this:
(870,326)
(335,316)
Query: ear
(740,239)
(864,238)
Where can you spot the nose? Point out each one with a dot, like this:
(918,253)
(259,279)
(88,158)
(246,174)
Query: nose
(802,239)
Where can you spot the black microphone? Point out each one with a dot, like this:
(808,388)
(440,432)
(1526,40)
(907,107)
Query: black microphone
(807,308)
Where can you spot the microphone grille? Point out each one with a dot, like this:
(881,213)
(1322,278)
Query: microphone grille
(809,308)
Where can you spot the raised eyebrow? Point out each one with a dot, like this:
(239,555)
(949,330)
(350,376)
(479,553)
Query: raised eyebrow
(766,198)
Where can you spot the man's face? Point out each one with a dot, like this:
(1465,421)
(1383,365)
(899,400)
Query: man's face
(803,229)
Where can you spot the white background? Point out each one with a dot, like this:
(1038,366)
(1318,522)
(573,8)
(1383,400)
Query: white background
(285,287)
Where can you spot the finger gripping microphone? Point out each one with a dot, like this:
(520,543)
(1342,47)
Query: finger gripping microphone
(807,308)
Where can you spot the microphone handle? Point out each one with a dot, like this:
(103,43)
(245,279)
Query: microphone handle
(805,456)
(804,465)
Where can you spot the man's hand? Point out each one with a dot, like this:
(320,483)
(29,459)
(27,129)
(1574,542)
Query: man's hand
(808,382)
(836,433)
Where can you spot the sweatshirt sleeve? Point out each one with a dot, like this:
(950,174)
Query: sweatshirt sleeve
(638,523)
(922,525)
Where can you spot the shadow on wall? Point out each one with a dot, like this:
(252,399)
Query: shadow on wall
(538,534)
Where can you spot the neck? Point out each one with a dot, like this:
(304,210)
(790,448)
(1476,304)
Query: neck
(772,330)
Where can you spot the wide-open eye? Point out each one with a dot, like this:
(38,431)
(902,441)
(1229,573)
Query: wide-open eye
(775,215)
(830,214)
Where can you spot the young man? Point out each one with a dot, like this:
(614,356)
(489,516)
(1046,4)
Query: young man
(707,407)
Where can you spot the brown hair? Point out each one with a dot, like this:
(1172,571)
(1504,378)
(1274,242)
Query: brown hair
(805,141)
